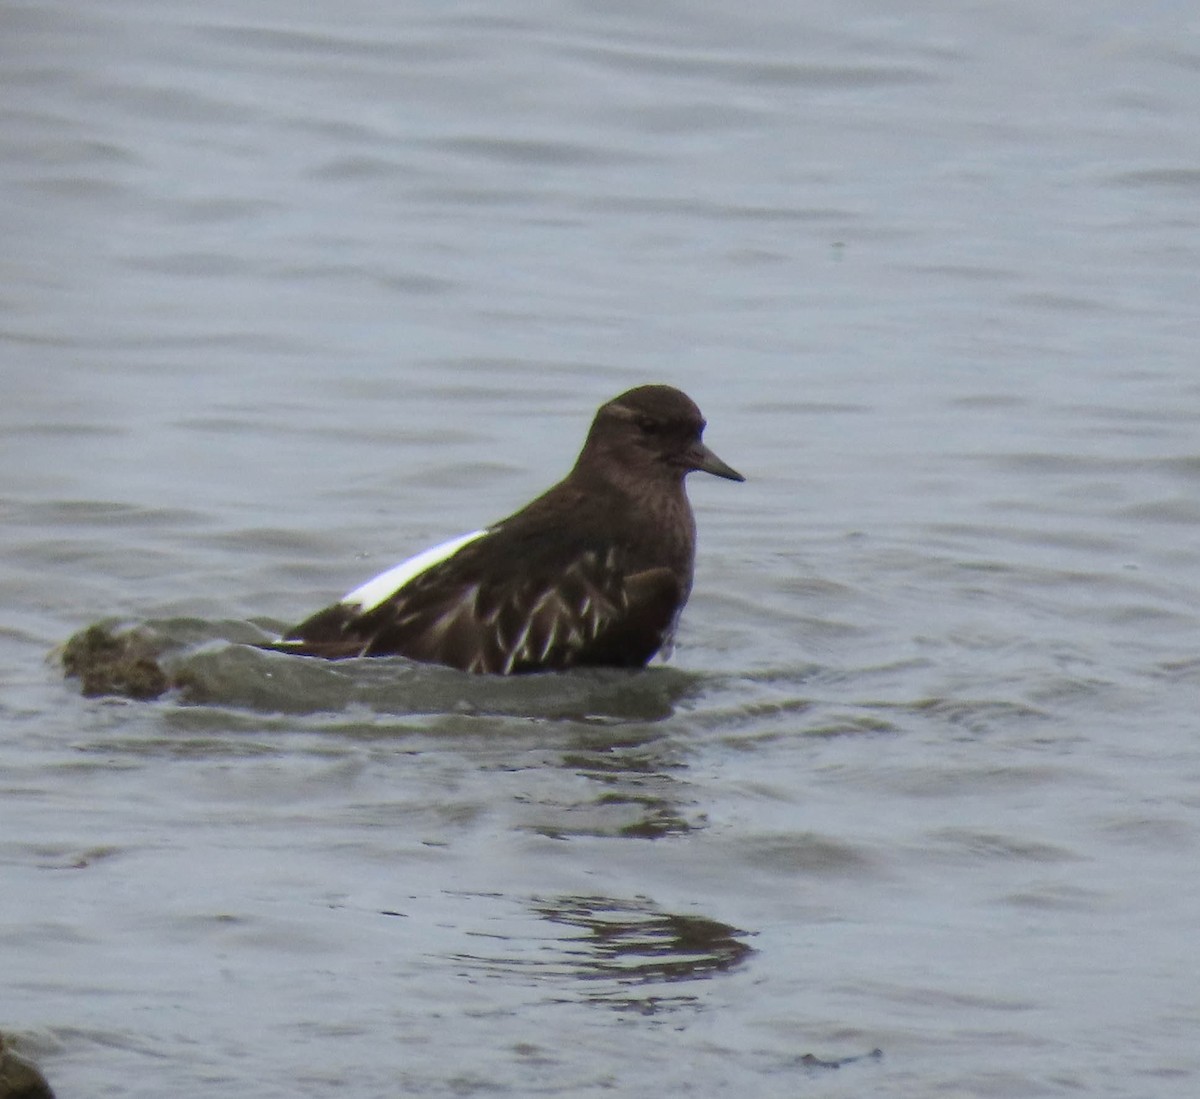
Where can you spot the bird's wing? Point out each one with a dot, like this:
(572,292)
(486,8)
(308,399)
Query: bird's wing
(460,613)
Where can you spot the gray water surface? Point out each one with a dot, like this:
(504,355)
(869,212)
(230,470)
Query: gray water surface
(288,295)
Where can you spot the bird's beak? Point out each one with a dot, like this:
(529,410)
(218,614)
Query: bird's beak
(703,459)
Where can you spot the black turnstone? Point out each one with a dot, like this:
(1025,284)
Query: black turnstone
(593,572)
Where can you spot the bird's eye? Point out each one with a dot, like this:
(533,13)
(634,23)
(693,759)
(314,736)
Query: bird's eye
(648,426)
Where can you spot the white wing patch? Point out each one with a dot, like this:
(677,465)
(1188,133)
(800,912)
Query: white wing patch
(368,596)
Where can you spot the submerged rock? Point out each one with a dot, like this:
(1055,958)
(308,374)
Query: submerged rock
(20,1079)
(110,661)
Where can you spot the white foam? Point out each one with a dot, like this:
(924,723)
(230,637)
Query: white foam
(368,596)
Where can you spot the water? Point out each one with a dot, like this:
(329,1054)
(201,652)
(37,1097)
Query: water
(288,295)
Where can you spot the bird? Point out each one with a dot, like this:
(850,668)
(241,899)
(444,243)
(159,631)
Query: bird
(592,573)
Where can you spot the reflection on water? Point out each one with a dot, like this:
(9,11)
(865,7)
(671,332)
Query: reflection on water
(642,793)
(625,950)
(633,942)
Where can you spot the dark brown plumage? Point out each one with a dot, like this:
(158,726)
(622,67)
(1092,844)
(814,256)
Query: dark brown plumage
(593,572)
